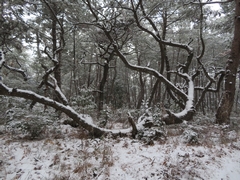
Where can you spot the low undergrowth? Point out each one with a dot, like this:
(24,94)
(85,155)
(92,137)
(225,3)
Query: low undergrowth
(36,145)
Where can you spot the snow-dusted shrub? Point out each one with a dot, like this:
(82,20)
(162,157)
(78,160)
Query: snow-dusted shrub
(8,109)
(3,108)
(105,114)
(154,127)
(148,135)
(85,101)
(19,120)
(152,115)
(204,119)
(34,128)
(232,135)
(191,137)
(15,114)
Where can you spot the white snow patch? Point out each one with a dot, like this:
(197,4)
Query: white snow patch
(118,159)
(87,118)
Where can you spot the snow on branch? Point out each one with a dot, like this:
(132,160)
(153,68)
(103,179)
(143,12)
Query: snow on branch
(60,24)
(155,33)
(18,70)
(220,79)
(152,72)
(4,90)
(54,60)
(22,72)
(209,2)
(189,110)
(71,113)
(53,85)
(208,88)
(145,69)
(59,92)
(45,76)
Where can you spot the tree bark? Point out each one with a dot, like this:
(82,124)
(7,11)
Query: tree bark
(227,100)
(57,72)
(102,85)
(142,91)
(142,84)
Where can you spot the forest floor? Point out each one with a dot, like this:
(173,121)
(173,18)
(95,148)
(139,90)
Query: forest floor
(195,150)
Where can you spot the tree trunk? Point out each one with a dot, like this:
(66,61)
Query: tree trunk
(78,119)
(102,85)
(142,84)
(74,71)
(142,91)
(154,90)
(189,110)
(227,101)
(57,72)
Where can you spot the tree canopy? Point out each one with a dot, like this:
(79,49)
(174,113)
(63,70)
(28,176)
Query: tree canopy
(121,54)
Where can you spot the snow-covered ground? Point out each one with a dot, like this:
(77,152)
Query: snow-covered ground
(71,156)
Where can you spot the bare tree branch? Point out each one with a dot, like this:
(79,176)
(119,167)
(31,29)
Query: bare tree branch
(62,45)
(58,91)
(22,72)
(54,60)
(209,2)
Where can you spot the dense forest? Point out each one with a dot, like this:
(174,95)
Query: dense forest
(175,57)
(119,89)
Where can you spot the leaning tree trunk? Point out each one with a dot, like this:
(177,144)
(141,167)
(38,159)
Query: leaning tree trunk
(227,101)
(77,119)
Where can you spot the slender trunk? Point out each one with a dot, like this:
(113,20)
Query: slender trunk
(89,75)
(142,90)
(157,88)
(101,86)
(103,81)
(142,84)
(127,81)
(154,89)
(38,51)
(56,54)
(57,72)
(75,82)
(113,98)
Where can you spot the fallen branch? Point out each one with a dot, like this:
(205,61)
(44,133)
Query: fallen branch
(77,118)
